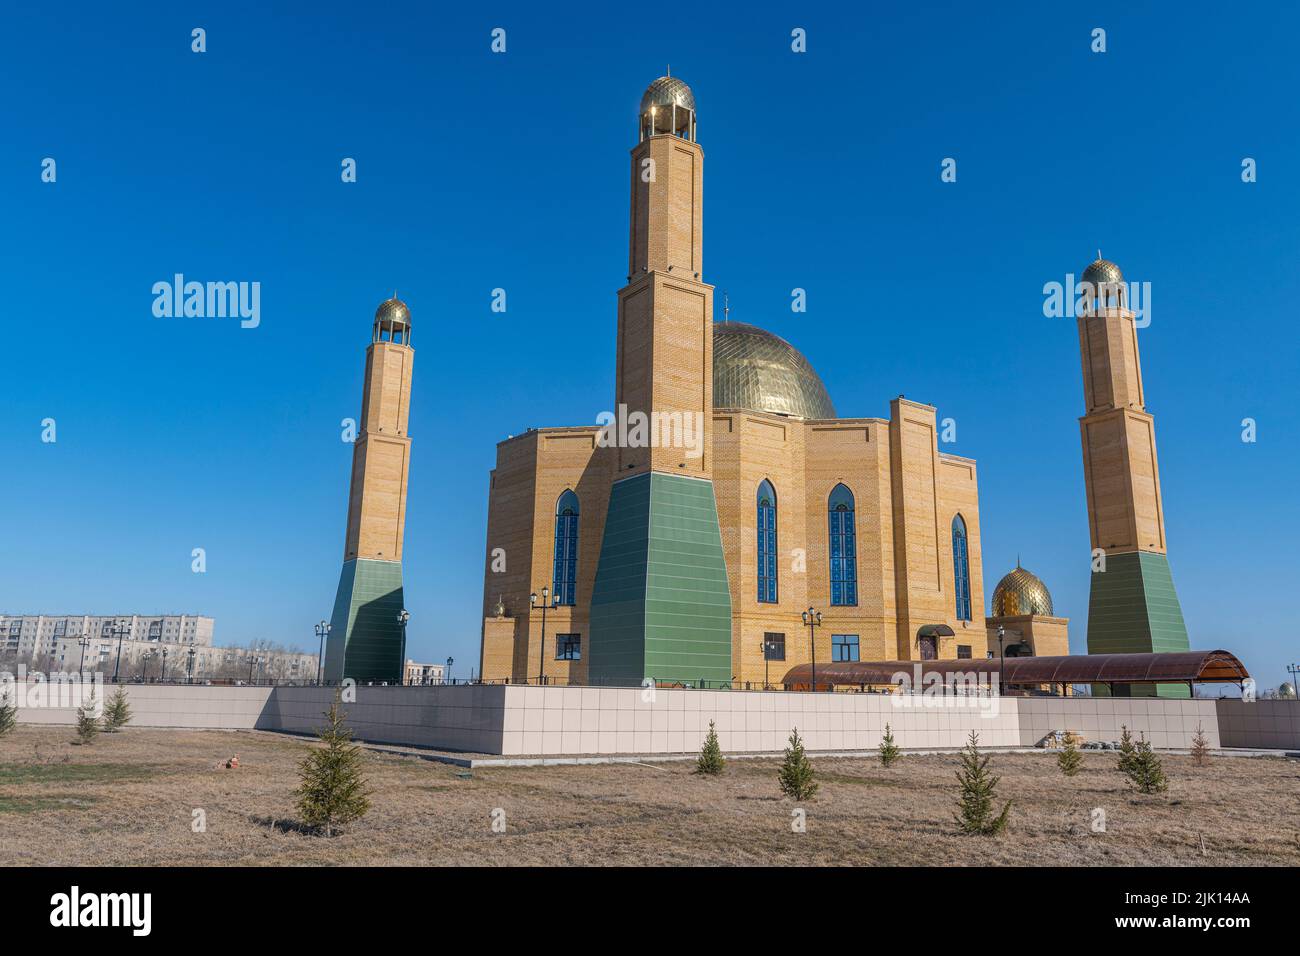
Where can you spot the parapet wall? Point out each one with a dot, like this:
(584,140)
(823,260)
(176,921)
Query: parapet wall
(554,721)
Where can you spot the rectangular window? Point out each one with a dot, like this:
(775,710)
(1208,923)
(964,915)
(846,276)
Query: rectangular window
(568,647)
(844,647)
(773,646)
(963,652)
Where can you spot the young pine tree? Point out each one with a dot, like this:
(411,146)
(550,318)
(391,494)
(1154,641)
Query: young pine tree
(1200,748)
(87,723)
(888,751)
(116,712)
(1145,773)
(333,790)
(8,714)
(978,788)
(1070,759)
(1126,751)
(796,773)
(710,761)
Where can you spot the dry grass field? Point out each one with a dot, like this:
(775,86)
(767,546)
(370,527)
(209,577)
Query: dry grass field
(129,798)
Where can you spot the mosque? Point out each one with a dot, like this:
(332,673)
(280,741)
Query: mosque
(771,533)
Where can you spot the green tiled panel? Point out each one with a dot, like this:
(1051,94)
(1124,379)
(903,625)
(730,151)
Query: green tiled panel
(1133,609)
(365,641)
(661,606)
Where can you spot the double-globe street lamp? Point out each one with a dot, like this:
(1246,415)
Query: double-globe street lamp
(322,631)
(402,617)
(547,601)
(812,617)
(189,665)
(447,676)
(119,631)
(84,641)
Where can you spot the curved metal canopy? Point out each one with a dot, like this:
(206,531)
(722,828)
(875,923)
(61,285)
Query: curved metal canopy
(1181,667)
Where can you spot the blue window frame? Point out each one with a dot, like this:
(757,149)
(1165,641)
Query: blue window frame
(844,549)
(766,542)
(960,569)
(565,584)
(844,647)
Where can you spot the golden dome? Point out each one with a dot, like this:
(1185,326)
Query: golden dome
(754,369)
(393,312)
(665,92)
(1102,272)
(1021,592)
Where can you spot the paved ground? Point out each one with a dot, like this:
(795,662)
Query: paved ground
(131,798)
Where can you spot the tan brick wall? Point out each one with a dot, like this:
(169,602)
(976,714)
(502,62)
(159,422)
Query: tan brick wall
(381,457)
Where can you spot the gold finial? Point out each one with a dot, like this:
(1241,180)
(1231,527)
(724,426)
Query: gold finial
(1098,254)
(669,71)
(726,307)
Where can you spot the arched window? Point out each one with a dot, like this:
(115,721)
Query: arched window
(844,549)
(566,548)
(960,568)
(766,543)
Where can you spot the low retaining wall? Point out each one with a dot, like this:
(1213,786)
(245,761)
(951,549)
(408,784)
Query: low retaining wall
(551,721)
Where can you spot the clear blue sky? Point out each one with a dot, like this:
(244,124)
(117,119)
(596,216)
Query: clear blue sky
(479,171)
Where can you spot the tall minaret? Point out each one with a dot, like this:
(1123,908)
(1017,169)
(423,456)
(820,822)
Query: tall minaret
(1133,607)
(661,606)
(366,639)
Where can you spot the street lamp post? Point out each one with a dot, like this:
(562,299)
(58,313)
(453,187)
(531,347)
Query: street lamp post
(402,617)
(144,672)
(164,664)
(84,641)
(322,631)
(447,676)
(541,654)
(1294,671)
(1002,633)
(119,631)
(767,661)
(813,617)
(189,665)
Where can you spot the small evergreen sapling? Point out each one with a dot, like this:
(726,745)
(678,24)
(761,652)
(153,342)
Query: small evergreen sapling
(117,714)
(978,789)
(1200,748)
(796,775)
(711,761)
(333,789)
(87,723)
(1145,773)
(1127,752)
(1070,758)
(8,714)
(888,751)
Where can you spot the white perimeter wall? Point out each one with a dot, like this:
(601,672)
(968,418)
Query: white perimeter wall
(552,721)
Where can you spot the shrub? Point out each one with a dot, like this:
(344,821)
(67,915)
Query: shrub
(8,714)
(1200,748)
(1145,773)
(888,751)
(711,761)
(978,788)
(87,724)
(333,790)
(116,712)
(1070,759)
(796,773)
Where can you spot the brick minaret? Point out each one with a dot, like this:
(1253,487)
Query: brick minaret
(1133,607)
(661,607)
(366,640)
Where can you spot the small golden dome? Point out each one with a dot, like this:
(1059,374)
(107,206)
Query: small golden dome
(393,313)
(1103,272)
(666,92)
(1021,592)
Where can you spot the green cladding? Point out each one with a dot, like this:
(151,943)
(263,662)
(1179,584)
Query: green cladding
(365,641)
(1133,609)
(661,607)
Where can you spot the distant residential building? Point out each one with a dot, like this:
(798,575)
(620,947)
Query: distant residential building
(419,674)
(151,646)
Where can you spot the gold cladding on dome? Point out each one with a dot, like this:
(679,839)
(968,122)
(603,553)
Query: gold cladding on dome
(1021,592)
